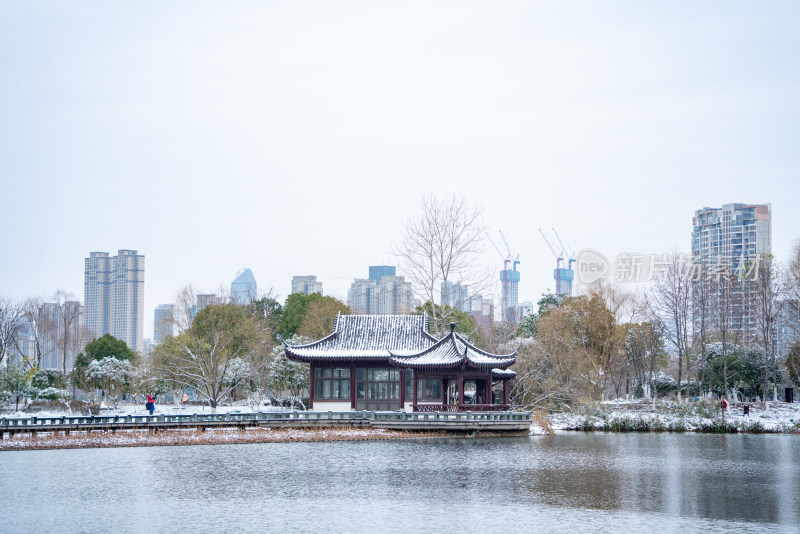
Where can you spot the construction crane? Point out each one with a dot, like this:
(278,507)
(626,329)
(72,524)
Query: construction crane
(510,254)
(565,249)
(558,256)
(506,261)
(559,259)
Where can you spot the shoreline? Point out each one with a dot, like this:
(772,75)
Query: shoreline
(702,417)
(173,438)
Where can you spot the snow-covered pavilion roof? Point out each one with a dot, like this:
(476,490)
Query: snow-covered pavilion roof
(366,337)
(451,351)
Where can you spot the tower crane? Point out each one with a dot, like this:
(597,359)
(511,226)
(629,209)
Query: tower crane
(506,261)
(565,250)
(559,259)
(510,254)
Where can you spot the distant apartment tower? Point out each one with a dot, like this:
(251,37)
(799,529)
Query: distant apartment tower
(395,296)
(306,285)
(113,290)
(455,295)
(483,311)
(163,321)
(510,280)
(201,301)
(376,272)
(206,299)
(524,309)
(362,297)
(729,239)
(381,294)
(244,288)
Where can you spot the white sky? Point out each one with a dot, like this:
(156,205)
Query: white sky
(295,137)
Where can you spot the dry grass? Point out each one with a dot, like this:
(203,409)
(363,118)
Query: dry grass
(143,438)
(542,418)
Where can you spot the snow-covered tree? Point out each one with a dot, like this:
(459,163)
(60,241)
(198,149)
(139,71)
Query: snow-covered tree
(286,375)
(111,374)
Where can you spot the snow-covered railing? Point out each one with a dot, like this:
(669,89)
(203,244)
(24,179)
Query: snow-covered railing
(452,416)
(293,418)
(178,418)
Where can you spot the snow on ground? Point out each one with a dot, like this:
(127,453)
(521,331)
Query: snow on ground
(702,416)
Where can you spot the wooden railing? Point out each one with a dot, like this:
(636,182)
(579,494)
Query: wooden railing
(452,416)
(436,413)
(177,418)
(461,407)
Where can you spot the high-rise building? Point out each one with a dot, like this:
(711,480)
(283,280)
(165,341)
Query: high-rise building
(524,309)
(456,295)
(306,285)
(163,322)
(362,297)
(392,295)
(728,241)
(244,288)
(376,272)
(207,299)
(395,296)
(510,279)
(201,301)
(113,291)
(97,293)
(483,311)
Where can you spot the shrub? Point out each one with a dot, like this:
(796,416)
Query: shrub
(677,426)
(753,427)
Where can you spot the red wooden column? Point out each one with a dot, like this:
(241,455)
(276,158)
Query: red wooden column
(489,388)
(403,378)
(444,391)
(505,391)
(460,387)
(353,387)
(414,392)
(311,386)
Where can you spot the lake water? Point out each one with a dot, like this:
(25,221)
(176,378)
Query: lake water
(565,483)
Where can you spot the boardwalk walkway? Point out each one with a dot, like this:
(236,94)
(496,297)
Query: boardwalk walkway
(417,422)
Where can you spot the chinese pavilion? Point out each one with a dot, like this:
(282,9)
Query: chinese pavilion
(392,362)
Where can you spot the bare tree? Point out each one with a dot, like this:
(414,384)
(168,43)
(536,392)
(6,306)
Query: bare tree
(670,307)
(10,326)
(725,308)
(766,290)
(792,280)
(66,331)
(38,328)
(441,244)
(701,319)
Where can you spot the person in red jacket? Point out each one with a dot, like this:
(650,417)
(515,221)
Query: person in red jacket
(150,405)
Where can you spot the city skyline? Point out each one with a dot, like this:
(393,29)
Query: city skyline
(612,123)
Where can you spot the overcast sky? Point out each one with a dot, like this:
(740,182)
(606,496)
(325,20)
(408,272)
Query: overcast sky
(295,137)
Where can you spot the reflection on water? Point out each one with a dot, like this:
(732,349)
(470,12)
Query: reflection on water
(587,481)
